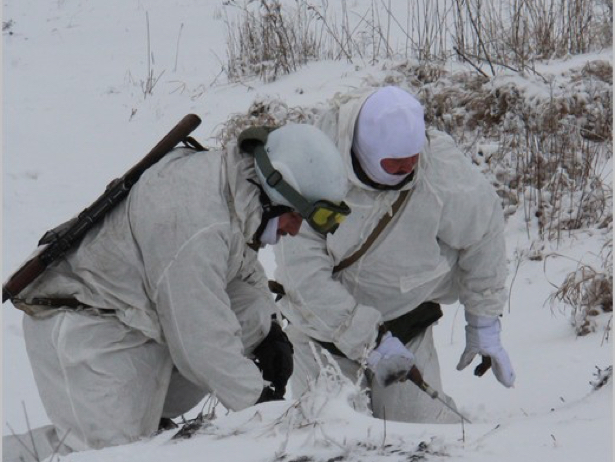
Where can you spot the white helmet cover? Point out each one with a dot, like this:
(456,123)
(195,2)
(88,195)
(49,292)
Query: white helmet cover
(308,161)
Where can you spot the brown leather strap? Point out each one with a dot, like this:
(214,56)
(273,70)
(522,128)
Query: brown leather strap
(278,288)
(56,302)
(384,221)
(45,306)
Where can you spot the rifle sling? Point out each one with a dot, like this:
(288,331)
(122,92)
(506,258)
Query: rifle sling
(69,302)
(384,221)
(278,289)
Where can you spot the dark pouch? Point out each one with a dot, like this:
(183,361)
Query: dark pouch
(414,322)
(406,327)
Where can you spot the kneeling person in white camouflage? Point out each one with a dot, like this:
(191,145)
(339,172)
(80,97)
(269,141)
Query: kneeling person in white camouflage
(166,301)
(445,243)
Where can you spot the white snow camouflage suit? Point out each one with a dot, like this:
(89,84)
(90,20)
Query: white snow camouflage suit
(171,265)
(445,244)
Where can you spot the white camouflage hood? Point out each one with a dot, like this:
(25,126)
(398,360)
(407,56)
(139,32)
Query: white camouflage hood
(339,123)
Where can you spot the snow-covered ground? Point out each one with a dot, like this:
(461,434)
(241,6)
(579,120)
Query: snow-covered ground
(75,116)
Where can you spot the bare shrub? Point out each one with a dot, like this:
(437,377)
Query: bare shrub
(269,38)
(272,37)
(265,41)
(516,34)
(602,377)
(426,29)
(147,85)
(200,423)
(589,293)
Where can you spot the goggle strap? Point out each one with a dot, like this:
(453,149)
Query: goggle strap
(270,210)
(276,181)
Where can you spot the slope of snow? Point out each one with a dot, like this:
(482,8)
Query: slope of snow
(75,117)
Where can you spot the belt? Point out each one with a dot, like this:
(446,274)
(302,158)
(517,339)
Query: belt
(405,328)
(56,302)
(45,306)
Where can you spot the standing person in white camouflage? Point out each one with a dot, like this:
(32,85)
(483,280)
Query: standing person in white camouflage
(445,243)
(165,300)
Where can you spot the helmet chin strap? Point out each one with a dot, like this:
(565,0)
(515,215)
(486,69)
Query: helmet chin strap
(271,213)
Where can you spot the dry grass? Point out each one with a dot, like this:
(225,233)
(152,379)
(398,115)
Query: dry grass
(589,292)
(269,112)
(267,41)
(269,38)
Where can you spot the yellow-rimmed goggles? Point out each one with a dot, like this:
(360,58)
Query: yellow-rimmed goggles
(326,216)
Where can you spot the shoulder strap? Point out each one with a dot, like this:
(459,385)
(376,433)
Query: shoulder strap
(278,289)
(384,221)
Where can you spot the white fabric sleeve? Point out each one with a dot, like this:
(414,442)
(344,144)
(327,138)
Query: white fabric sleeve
(483,270)
(315,303)
(473,222)
(254,308)
(203,334)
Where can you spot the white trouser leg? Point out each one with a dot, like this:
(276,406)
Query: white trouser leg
(102,383)
(182,396)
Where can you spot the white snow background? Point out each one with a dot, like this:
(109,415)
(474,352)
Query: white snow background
(75,116)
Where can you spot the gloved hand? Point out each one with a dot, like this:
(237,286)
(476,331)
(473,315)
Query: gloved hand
(390,361)
(268,394)
(483,337)
(274,357)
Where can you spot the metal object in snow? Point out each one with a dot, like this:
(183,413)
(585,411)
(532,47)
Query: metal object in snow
(415,377)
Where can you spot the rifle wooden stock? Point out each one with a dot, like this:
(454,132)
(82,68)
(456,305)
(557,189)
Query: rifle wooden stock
(65,237)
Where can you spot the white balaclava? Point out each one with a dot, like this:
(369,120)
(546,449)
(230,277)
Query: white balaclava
(391,124)
(270,234)
(308,161)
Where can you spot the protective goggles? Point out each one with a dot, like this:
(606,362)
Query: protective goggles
(323,216)
(326,216)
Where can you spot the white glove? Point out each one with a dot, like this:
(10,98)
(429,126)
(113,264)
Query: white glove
(390,361)
(483,337)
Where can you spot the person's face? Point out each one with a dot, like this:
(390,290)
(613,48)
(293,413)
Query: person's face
(402,166)
(289,223)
